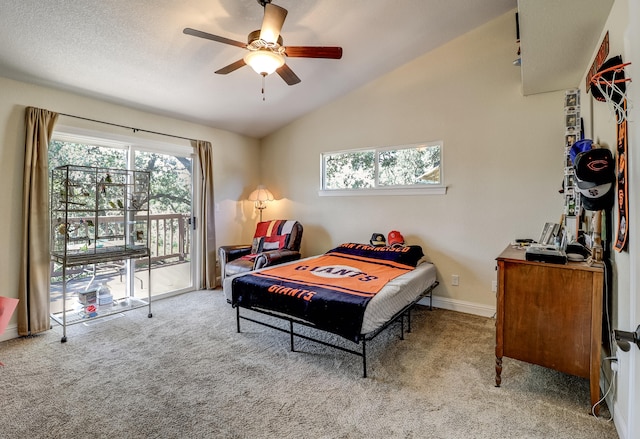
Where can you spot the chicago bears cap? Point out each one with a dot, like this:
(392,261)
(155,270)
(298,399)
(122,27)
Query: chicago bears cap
(377,240)
(595,166)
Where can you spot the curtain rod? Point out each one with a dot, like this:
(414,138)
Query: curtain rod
(135,130)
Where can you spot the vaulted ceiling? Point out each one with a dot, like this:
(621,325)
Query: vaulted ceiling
(558,40)
(136,54)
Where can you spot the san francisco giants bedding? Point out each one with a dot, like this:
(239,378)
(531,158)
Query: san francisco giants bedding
(352,290)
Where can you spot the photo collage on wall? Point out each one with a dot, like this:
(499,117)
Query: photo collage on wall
(572,134)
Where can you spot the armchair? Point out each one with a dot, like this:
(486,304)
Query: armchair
(274,242)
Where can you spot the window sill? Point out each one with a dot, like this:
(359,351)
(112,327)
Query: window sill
(439,190)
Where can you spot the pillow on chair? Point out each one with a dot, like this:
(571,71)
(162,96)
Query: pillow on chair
(256,246)
(271,235)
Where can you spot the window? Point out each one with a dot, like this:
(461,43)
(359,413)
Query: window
(349,170)
(397,169)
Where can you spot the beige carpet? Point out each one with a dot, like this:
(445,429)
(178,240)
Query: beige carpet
(186,373)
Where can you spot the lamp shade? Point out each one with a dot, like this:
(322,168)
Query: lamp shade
(264,61)
(261,194)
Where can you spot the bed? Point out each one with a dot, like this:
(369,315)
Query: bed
(354,291)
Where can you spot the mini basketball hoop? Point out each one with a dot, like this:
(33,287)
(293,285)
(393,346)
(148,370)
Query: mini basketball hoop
(610,85)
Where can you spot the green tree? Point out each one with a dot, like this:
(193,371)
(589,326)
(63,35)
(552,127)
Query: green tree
(404,167)
(353,170)
(396,167)
(170,181)
(170,185)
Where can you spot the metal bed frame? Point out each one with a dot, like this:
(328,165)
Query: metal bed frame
(406,311)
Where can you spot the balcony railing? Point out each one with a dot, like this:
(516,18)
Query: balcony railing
(169,237)
(169,241)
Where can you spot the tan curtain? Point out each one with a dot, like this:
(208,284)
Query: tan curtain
(33,289)
(205,217)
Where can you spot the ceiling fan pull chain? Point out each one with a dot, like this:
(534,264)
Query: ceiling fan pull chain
(263,97)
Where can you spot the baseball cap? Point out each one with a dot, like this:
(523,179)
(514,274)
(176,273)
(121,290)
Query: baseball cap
(377,239)
(395,238)
(581,145)
(597,197)
(595,166)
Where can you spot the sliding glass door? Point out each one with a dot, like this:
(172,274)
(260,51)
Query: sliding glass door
(170,233)
(170,213)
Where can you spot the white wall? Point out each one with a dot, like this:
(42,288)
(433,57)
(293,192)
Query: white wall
(503,161)
(601,126)
(627,416)
(236,168)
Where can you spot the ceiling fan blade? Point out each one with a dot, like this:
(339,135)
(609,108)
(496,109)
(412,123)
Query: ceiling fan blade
(231,67)
(208,36)
(287,74)
(272,22)
(313,52)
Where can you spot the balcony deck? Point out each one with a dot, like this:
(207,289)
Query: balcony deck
(165,278)
(170,246)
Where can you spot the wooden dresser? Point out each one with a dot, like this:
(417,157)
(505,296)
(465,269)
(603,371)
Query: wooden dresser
(550,315)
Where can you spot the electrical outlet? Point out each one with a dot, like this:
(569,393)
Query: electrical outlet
(455,280)
(494,286)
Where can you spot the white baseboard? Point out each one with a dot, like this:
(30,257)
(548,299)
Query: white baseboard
(9,333)
(618,420)
(621,425)
(461,306)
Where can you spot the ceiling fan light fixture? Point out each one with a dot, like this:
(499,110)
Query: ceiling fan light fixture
(264,61)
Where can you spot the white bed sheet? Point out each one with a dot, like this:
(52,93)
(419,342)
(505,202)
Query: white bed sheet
(397,294)
(394,296)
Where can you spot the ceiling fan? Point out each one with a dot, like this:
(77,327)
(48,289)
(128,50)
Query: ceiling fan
(266,50)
